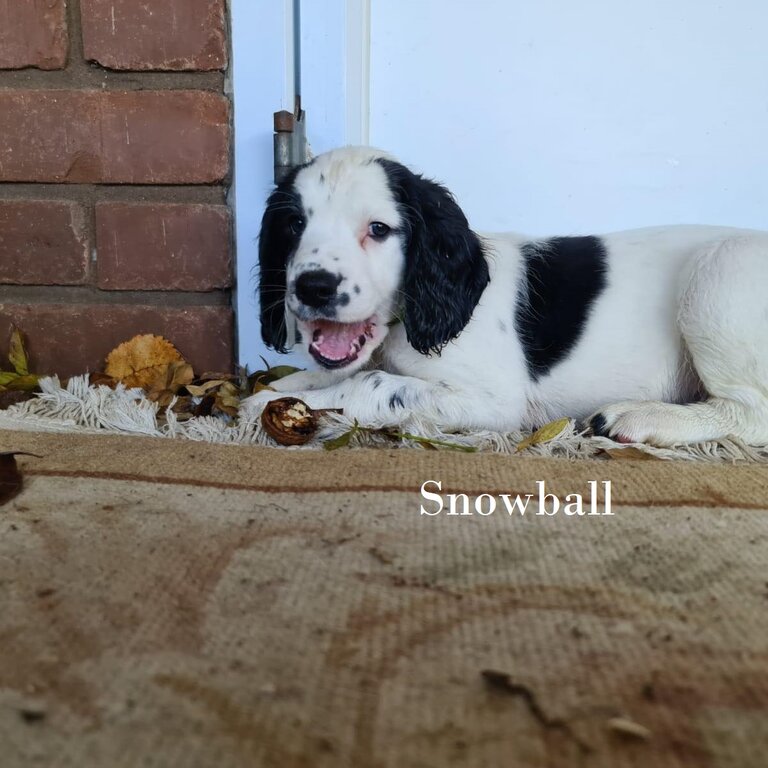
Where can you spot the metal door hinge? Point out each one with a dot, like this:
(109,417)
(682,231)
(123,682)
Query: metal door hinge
(291,148)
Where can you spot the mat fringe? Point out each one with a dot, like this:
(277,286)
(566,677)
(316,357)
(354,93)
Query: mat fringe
(82,408)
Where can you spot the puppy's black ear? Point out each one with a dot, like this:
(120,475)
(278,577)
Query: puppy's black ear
(445,270)
(280,233)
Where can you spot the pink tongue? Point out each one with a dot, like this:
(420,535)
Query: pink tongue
(336,338)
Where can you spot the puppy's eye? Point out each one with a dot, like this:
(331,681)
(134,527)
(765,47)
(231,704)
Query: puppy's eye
(296,224)
(378,231)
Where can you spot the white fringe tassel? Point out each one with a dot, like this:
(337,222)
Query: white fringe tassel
(97,409)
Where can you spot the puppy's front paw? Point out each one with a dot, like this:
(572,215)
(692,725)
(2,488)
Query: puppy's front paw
(630,422)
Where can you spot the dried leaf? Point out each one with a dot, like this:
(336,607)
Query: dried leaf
(431,442)
(102,380)
(627,727)
(281,371)
(179,375)
(183,407)
(139,361)
(259,387)
(342,441)
(200,390)
(17,354)
(260,380)
(169,381)
(162,397)
(6,377)
(630,453)
(544,434)
(11,481)
(28,383)
(227,399)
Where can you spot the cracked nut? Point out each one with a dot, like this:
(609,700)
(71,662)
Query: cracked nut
(289,421)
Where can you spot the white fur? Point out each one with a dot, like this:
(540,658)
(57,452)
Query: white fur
(686,308)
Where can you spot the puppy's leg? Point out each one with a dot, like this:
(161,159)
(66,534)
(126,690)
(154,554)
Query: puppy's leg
(724,322)
(308,380)
(376,398)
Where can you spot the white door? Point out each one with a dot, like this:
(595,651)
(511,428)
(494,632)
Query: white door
(545,117)
(268,42)
(555,117)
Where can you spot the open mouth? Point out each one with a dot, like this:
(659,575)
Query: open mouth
(335,345)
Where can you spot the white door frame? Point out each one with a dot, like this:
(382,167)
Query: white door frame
(335,51)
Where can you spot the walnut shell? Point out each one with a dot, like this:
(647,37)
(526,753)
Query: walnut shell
(289,421)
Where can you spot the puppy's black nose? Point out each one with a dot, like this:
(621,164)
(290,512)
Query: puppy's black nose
(316,288)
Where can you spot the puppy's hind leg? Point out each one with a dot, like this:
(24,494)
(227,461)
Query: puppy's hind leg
(724,321)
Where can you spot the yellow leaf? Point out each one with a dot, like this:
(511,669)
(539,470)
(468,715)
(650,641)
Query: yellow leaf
(6,377)
(199,390)
(544,434)
(17,354)
(139,361)
(26,383)
(259,387)
(228,389)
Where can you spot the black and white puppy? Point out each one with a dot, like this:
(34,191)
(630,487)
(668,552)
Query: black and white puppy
(657,335)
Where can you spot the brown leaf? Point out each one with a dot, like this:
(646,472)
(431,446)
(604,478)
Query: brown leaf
(226,404)
(7,399)
(179,375)
(168,381)
(139,361)
(630,453)
(11,481)
(102,380)
(162,397)
(227,399)
(183,408)
(200,390)
(17,354)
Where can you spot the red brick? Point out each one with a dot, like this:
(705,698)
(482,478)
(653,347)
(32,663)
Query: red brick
(43,242)
(33,33)
(142,246)
(124,137)
(70,340)
(155,34)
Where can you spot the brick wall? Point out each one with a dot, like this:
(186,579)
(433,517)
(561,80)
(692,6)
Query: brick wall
(114,165)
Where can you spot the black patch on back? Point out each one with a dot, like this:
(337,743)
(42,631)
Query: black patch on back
(564,277)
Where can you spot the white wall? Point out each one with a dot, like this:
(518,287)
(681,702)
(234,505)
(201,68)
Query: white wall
(553,116)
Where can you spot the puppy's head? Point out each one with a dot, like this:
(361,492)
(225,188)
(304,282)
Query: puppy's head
(353,242)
